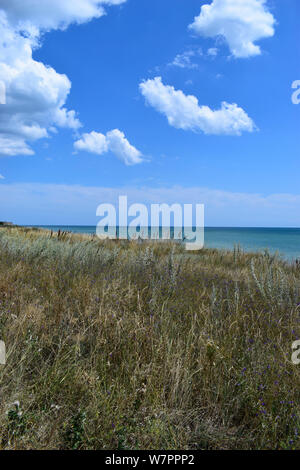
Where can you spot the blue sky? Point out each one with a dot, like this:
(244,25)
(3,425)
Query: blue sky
(242,163)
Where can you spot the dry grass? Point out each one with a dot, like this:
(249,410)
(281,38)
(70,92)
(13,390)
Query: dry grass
(117,345)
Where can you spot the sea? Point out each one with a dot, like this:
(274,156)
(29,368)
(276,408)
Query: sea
(284,241)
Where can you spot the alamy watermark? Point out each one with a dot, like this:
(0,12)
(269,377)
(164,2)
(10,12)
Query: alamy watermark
(2,92)
(163,222)
(296,94)
(296,344)
(2,353)
(296,353)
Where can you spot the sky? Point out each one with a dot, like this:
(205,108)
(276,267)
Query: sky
(185,101)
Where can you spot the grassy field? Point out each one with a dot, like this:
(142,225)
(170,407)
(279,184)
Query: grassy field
(120,345)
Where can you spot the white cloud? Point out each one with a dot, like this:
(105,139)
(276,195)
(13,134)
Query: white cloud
(240,22)
(212,51)
(114,141)
(94,142)
(36,94)
(184,112)
(119,145)
(36,15)
(184,60)
(1,177)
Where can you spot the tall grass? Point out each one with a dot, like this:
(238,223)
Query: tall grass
(121,345)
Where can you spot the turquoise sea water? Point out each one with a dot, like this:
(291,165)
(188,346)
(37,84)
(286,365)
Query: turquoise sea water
(285,241)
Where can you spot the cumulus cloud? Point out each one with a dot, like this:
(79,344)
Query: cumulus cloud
(114,142)
(94,142)
(119,145)
(240,22)
(36,94)
(1,177)
(35,15)
(184,112)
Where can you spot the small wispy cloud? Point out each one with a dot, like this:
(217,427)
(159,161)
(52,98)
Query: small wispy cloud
(1,177)
(185,60)
(213,51)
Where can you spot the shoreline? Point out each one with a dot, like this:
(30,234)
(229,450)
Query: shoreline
(283,241)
